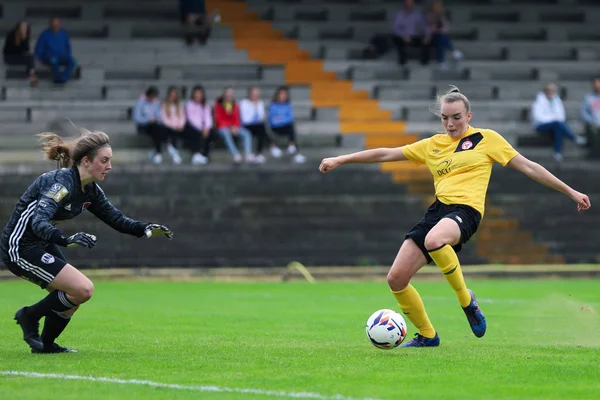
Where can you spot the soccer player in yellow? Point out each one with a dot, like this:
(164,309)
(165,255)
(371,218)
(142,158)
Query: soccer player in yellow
(461,164)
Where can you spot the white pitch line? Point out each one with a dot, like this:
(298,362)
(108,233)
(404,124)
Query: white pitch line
(213,389)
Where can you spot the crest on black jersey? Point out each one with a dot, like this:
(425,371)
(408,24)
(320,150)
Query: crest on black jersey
(469,142)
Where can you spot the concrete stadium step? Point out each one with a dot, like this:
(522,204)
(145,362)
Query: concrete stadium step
(156,46)
(47,93)
(241,71)
(139,59)
(351,50)
(491,111)
(461,12)
(220,70)
(121,110)
(465,70)
(488,50)
(475,31)
(119,29)
(426,90)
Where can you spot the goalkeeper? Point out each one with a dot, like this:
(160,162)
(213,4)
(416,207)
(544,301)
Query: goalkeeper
(30,243)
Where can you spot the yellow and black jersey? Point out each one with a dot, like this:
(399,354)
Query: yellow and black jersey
(461,167)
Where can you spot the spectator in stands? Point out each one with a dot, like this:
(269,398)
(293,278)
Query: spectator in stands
(229,126)
(53,48)
(172,117)
(17,51)
(252,113)
(200,123)
(590,114)
(195,20)
(411,29)
(439,27)
(146,115)
(548,114)
(281,120)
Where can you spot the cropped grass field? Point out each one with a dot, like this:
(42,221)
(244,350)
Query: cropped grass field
(296,340)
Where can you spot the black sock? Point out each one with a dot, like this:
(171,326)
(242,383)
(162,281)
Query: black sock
(54,325)
(55,301)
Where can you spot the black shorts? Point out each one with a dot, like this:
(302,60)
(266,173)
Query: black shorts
(467,217)
(38,265)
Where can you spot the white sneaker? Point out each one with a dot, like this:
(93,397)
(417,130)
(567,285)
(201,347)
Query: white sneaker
(292,149)
(157,159)
(172,150)
(174,153)
(558,157)
(581,140)
(250,159)
(299,159)
(199,159)
(260,159)
(457,55)
(276,152)
(237,158)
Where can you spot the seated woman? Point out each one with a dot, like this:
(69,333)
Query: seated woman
(16,50)
(200,123)
(172,117)
(146,115)
(548,114)
(439,27)
(252,114)
(281,120)
(229,126)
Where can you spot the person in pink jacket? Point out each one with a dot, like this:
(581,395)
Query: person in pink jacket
(172,116)
(200,123)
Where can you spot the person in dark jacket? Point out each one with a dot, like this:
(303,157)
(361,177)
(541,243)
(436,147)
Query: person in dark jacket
(29,245)
(196,21)
(53,48)
(17,51)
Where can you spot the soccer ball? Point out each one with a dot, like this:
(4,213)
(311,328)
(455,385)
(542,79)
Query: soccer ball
(386,329)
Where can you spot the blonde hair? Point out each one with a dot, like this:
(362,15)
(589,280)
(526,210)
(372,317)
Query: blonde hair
(168,102)
(451,96)
(69,152)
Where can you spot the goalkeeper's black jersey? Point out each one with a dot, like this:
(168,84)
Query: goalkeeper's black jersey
(57,196)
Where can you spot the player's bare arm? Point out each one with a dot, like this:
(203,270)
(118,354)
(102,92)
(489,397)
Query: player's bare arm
(540,174)
(383,154)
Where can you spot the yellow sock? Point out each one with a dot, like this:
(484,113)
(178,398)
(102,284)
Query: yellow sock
(447,260)
(412,306)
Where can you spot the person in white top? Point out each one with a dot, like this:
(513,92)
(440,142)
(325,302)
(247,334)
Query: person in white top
(548,115)
(252,114)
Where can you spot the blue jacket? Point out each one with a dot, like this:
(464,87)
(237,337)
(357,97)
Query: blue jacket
(280,114)
(145,111)
(590,109)
(57,196)
(53,44)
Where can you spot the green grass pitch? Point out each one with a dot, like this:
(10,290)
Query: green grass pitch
(296,340)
